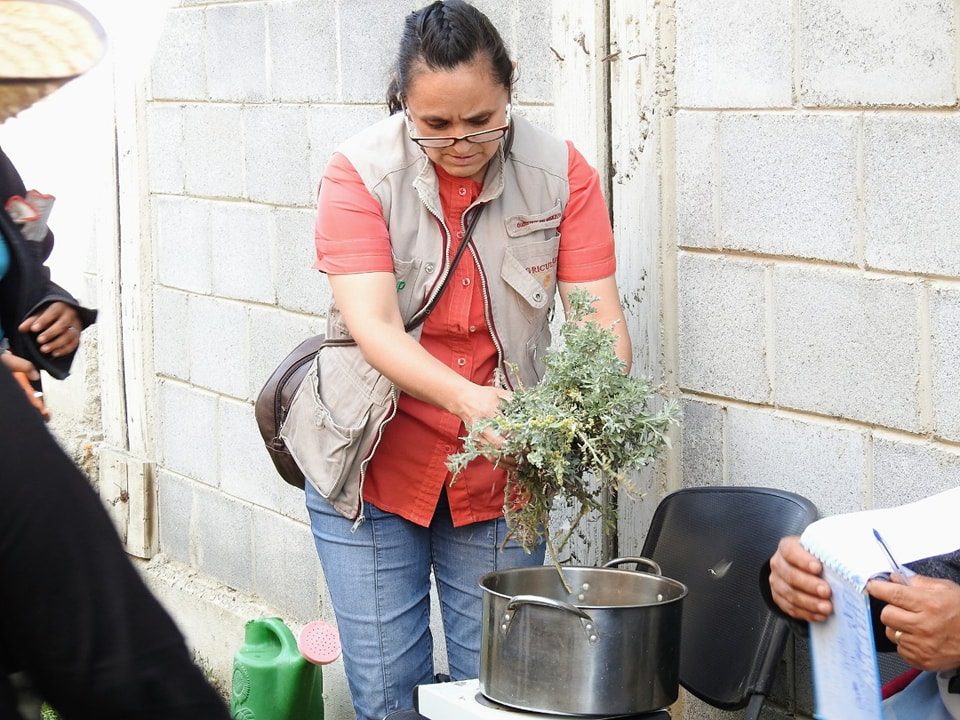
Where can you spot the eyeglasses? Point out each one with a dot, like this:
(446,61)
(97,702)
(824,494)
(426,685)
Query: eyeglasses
(443,141)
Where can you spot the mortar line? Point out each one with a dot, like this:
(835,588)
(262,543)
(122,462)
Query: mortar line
(925,375)
(724,452)
(253,304)
(715,196)
(665,79)
(892,110)
(268,57)
(797,76)
(770,344)
(869,472)
(956,47)
(819,418)
(860,234)
(840,266)
(339,44)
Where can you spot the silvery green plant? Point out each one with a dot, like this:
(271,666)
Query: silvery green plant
(585,418)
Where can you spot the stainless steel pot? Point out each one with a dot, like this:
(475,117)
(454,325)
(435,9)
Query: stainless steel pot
(611,647)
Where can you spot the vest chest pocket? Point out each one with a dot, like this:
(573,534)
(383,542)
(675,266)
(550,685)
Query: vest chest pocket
(410,295)
(531,269)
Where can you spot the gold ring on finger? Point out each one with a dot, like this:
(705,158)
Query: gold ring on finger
(897,636)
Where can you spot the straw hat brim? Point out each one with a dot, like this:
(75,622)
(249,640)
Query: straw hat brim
(43,45)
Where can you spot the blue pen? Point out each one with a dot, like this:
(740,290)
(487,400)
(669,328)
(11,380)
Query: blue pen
(904,572)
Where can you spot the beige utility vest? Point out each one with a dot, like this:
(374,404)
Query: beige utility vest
(515,247)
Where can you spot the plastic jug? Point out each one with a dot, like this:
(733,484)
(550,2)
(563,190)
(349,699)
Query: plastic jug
(271,679)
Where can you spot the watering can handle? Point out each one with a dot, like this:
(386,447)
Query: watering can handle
(652,566)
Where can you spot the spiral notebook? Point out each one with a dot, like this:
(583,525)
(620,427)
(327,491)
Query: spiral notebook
(846,677)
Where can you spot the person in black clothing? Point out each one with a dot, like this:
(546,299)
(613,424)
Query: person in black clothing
(40,319)
(75,617)
(74,614)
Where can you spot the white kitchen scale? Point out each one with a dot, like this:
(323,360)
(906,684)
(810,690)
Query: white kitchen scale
(462,701)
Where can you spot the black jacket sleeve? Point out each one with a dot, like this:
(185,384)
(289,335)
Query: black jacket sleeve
(76,617)
(12,184)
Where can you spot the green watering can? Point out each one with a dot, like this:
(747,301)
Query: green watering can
(274,678)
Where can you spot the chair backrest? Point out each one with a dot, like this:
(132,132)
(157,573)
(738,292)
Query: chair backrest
(716,540)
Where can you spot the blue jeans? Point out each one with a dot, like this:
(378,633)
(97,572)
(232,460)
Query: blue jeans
(379,581)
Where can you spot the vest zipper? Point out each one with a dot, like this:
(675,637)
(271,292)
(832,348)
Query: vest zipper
(358,520)
(491,328)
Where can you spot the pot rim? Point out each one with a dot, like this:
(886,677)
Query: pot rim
(516,571)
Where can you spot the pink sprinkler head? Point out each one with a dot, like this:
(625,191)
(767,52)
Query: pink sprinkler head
(319,642)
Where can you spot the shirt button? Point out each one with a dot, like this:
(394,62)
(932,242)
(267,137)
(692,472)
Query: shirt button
(473,328)
(466,282)
(429,267)
(461,361)
(459,234)
(462,191)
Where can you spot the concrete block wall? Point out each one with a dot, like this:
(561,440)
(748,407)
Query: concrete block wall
(247,101)
(817,253)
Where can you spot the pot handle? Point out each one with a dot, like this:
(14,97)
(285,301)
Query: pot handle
(518,601)
(652,566)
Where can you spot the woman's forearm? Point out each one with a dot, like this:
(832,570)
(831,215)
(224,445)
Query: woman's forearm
(410,367)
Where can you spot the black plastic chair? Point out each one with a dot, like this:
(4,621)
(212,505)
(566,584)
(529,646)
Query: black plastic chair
(717,540)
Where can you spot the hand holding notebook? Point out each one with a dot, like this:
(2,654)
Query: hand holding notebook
(846,677)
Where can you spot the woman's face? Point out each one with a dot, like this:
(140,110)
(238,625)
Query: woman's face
(466,99)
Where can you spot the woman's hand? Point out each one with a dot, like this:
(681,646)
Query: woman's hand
(922,619)
(796,583)
(483,401)
(58,326)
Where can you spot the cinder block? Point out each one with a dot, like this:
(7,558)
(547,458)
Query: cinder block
(847,345)
(214,165)
(276,333)
(537,67)
(945,332)
(236,53)
(299,287)
(245,468)
(223,530)
(285,565)
(188,429)
(277,147)
(329,127)
(292,502)
(175,72)
(911,193)
(907,471)
(788,185)
(170,337)
(701,444)
(175,506)
(241,244)
(219,345)
(182,232)
(734,54)
(722,327)
(368,50)
(303,51)
(860,52)
(165,148)
(696,184)
(824,463)
(539,115)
